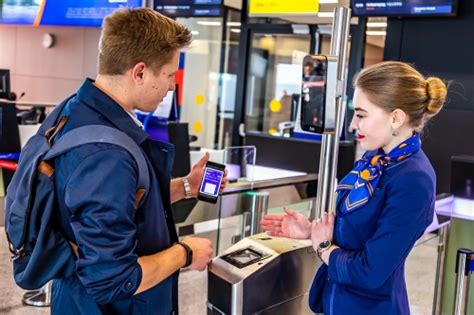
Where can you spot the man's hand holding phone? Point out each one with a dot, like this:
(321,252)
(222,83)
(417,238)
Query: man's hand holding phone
(206,176)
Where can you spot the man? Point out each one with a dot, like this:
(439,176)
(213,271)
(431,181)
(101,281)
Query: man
(127,258)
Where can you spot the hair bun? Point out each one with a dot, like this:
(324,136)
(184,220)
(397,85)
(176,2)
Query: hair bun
(436,91)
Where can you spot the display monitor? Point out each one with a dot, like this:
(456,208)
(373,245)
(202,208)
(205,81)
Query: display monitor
(167,109)
(178,135)
(404,8)
(61,12)
(189,8)
(5,84)
(313,101)
(462,176)
(9,136)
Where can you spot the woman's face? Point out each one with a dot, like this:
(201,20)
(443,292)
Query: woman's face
(372,123)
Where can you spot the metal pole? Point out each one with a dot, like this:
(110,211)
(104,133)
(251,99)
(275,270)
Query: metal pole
(463,275)
(258,208)
(325,200)
(443,239)
(243,228)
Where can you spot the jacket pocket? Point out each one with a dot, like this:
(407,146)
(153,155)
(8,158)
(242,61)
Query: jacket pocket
(139,306)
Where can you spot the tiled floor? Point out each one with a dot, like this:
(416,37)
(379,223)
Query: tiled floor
(420,274)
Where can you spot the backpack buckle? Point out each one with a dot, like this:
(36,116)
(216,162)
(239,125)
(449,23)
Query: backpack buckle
(17,253)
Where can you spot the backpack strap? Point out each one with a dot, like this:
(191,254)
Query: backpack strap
(52,118)
(52,132)
(104,134)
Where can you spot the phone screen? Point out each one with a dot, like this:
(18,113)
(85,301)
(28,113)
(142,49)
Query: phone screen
(211,182)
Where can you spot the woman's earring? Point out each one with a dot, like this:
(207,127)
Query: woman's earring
(394,133)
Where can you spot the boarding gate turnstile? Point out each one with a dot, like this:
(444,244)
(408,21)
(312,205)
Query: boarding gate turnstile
(262,275)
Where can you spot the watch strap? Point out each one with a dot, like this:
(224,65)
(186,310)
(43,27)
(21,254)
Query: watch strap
(189,254)
(187,188)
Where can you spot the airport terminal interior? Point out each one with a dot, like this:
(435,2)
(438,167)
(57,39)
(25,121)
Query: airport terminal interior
(267,89)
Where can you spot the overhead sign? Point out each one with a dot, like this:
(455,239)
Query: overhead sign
(283,7)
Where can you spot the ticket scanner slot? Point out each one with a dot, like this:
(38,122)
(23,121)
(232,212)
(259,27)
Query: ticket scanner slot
(244,257)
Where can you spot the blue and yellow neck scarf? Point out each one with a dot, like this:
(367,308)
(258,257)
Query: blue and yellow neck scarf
(358,186)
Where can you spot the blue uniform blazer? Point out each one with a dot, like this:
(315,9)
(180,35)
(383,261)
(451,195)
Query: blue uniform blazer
(366,274)
(96,185)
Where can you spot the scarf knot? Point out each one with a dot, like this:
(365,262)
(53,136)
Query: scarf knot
(356,188)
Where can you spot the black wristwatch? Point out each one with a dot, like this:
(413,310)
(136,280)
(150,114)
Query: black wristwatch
(323,246)
(189,254)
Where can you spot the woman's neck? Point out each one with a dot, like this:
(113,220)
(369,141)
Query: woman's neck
(403,135)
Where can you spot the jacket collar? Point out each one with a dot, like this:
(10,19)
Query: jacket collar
(95,98)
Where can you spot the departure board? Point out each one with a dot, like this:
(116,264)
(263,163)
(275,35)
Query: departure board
(189,8)
(404,8)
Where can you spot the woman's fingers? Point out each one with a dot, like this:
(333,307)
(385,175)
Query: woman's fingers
(331,217)
(265,221)
(327,218)
(292,213)
(275,217)
(274,230)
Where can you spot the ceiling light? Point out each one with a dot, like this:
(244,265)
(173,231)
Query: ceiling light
(209,23)
(326,14)
(233,23)
(376,33)
(235,30)
(376,24)
(195,32)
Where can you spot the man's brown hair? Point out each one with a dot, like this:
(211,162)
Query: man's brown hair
(130,36)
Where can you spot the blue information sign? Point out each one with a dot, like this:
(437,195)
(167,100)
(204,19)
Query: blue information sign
(61,12)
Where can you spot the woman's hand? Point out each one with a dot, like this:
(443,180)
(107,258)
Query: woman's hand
(322,229)
(290,224)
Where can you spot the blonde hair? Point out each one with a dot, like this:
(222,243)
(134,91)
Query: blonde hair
(130,36)
(391,85)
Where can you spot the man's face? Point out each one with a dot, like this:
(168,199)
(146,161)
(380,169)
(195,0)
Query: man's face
(156,86)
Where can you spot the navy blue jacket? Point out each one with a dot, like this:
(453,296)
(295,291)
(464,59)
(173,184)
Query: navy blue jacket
(366,274)
(96,185)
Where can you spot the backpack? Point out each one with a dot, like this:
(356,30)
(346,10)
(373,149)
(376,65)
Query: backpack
(40,251)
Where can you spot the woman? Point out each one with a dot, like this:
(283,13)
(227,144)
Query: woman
(383,205)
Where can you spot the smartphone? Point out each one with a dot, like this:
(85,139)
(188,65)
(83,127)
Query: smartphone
(211,182)
(314,93)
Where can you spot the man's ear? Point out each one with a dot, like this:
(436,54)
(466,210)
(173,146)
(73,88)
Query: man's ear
(138,73)
(399,118)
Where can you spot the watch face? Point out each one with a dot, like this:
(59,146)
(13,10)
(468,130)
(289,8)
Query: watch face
(324,244)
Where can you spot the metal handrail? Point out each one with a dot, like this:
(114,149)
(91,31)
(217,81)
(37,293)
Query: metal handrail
(464,268)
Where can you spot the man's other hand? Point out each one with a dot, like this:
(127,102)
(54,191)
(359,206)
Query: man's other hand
(202,252)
